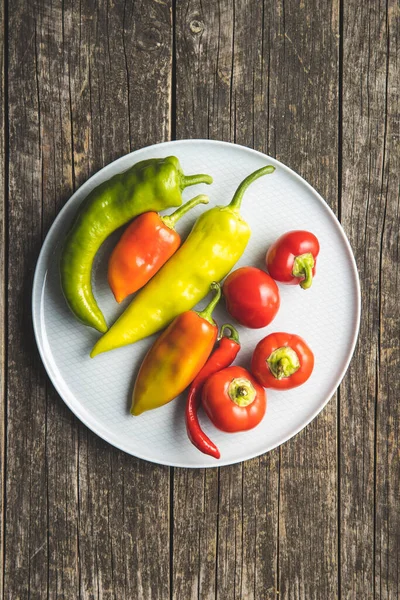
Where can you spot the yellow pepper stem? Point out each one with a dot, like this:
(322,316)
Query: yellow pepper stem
(238,196)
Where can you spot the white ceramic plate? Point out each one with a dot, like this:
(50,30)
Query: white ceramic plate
(99,390)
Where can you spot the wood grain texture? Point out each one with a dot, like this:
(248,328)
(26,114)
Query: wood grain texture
(220,70)
(26,532)
(387,449)
(370,414)
(81,75)
(314,84)
(119,59)
(3,234)
(227,519)
(303,133)
(259,76)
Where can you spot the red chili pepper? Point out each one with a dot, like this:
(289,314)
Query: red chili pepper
(292,258)
(222,357)
(145,246)
(282,361)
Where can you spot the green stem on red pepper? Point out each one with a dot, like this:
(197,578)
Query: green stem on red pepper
(241,392)
(283,362)
(303,267)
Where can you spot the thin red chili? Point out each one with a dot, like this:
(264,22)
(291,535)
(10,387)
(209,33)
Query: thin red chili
(221,358)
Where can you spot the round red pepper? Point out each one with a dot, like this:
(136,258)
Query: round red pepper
(293,257)
(282,361)
(222,357)
(234,400)
(252,297)
(144,247)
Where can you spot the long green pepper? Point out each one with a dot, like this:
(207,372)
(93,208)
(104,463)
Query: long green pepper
(150,185)
(216,242)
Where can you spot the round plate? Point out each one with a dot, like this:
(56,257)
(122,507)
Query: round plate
(99,390)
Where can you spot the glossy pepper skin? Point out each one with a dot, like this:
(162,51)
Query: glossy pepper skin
(145,246)
(252,297)
(293,257)
(175,358)
(216,242)
(221,358)
(234,400)
(282,361)
(153,184)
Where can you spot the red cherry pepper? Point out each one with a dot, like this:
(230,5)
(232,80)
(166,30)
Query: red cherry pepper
(252,297)
(234,400)
(293,257)
(145,246)
(222,357)
(282,361)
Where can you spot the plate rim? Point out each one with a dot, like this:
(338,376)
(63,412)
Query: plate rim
(92,425)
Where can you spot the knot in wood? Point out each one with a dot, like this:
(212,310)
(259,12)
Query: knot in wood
(148,38)
(196,26)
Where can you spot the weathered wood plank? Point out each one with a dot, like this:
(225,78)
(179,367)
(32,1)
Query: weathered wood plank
(83,519)
(26,532)
(225,527)
(58,553)
(3,233)
(369,402)
(387,492)
(303,124)
(87,81)
(119,80)
(124,503)
(236,61)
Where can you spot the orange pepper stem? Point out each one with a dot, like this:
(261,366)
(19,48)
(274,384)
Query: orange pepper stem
(171,220)
(207,311)
(187,180)
(238,196)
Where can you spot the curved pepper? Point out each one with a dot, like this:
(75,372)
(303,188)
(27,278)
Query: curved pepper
(175,358)
(216,242)
(145,246)
(221,358)
(153,184)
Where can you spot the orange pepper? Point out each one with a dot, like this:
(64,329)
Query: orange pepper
(176,357)
(145,246)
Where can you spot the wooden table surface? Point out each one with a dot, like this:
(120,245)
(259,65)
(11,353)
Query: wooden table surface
(313,83)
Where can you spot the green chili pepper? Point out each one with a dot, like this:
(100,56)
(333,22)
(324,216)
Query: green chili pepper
(150,185)
(216,242)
